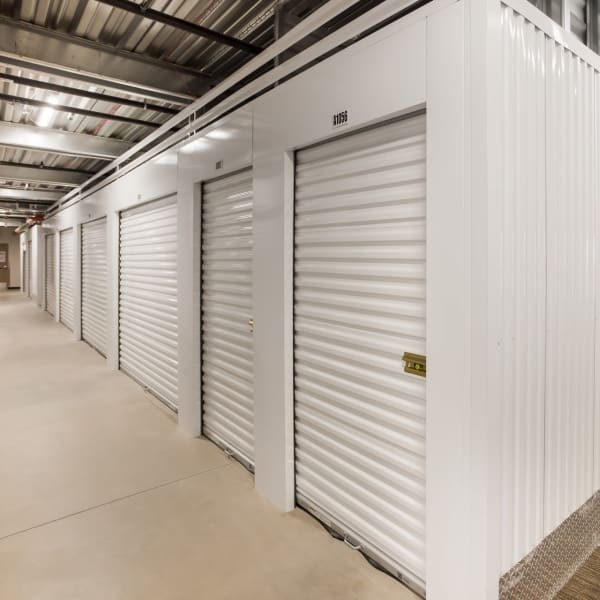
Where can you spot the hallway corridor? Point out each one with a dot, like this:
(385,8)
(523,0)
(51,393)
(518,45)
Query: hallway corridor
(103,499)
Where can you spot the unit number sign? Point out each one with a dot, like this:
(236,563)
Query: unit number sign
(340,118)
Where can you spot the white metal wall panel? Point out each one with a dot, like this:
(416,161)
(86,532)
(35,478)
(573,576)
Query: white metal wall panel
(94,282)
(67,278)
(522,237)
(359,305)
(148,349)
(50,274)
(227,345)
(549,299)
(572,198)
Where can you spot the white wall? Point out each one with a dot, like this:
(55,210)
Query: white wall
(8,236)
(547,232)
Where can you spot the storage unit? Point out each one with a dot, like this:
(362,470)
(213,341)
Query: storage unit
(227,326)
(94,282)
(494,277)
(359,306)
(67,277)
(25,274)
(28,269)
(50,274)
(148,349)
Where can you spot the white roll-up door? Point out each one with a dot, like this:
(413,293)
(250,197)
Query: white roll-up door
(94,282)
(67,277)
(227,345)
(148,335)
(25,274)
(29,268)
(50,275)
(359,306)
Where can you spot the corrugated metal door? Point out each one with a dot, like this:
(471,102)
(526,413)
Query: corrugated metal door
(359,305)
(227,346)
(50,279)
(148,349)
(25,276)
(28,268)
(67,276)
(94,281)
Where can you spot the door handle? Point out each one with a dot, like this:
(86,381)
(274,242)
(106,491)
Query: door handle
(251,325)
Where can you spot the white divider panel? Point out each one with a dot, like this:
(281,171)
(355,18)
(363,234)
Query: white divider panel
(50,282)
(227,345)
(359,305)
(148,349)
(67,277)
(94,282)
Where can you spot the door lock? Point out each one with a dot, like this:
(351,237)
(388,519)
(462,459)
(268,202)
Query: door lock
(416,364)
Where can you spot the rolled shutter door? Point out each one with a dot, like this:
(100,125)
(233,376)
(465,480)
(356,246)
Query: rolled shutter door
(148,349)
(29,269)
(67,276)
(94,281)
(50,275)
(25,276)
(227,345)
(359,305)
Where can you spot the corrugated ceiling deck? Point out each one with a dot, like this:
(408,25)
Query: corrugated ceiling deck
(99,22)
(195,63)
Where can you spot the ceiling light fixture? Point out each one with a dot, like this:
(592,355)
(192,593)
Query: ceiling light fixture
(47,113)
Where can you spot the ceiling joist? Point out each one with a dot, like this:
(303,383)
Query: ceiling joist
(78,111)
(160,17)
(39,139)
(43,175)
(93,79)
(35,196)
(82,93)
(76,53)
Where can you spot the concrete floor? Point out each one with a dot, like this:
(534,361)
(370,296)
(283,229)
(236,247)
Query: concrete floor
(102,498)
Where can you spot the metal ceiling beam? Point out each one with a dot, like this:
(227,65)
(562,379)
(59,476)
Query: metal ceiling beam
(160,17)
(76,53)
(45,175)
(26,205)
(12,221)
(40,139)
(63,89)
(92,79)
(35,196)
(94,114)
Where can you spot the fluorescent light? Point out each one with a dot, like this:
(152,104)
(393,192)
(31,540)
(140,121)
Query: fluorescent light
(45,117)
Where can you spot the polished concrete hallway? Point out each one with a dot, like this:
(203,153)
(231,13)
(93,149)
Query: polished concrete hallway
(102,498)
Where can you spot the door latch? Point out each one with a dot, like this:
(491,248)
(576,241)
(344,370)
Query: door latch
(416,364)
